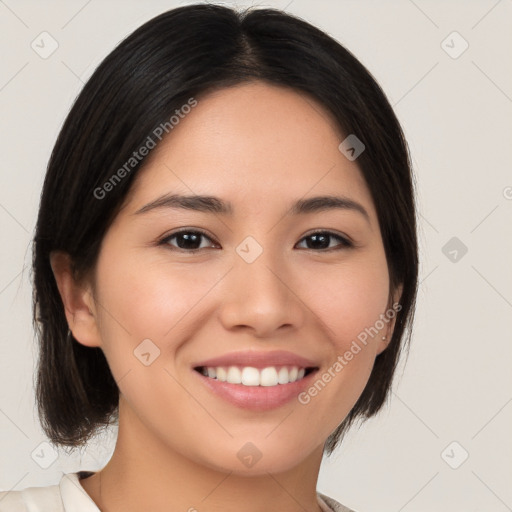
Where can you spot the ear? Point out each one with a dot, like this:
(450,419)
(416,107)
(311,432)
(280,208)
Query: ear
(79,305)
(390,314)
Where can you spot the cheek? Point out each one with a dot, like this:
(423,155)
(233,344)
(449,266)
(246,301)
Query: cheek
(143,322)
(349,306)
(151,299)
(148,299)
(349,299)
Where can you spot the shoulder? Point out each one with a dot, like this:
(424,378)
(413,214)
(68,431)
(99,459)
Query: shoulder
(67,495)
(331,505)
(32,499)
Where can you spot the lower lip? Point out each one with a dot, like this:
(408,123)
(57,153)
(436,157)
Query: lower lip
(257,398)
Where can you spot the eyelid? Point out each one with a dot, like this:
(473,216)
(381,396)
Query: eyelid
(330,232)
(165,238)
(345,241)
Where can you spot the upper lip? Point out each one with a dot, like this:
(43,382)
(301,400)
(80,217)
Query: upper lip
(258,360)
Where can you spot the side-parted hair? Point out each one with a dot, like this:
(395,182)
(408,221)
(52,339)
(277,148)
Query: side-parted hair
(181,54)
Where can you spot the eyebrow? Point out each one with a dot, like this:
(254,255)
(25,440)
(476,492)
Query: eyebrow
(212,204)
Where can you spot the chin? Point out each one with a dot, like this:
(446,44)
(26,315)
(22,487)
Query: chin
(261,456)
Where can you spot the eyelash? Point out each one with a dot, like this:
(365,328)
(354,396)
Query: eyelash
(345,242)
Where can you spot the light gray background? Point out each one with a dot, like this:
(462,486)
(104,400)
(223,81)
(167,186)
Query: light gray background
(456,113)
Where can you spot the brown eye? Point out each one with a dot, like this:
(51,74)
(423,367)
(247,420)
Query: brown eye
(187,240)
(321,241)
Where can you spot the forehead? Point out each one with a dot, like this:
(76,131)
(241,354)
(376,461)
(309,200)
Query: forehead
(256,145)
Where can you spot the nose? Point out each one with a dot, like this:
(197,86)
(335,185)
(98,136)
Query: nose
(261,297)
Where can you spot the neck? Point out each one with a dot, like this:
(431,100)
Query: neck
(145,475)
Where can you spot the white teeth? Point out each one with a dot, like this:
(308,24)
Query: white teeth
(268,377)
(234,375)
(249,376)
(283,376)
(221,374)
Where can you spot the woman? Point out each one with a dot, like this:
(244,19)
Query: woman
(225,265)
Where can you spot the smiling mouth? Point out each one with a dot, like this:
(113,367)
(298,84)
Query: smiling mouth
(250,376)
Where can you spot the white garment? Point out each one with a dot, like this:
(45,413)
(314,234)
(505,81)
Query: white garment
(69,496)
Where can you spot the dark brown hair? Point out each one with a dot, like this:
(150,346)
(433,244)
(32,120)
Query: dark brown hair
(179,54)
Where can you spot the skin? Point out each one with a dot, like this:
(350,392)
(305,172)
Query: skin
(261,147)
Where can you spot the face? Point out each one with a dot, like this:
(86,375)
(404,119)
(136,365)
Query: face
(272,296)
